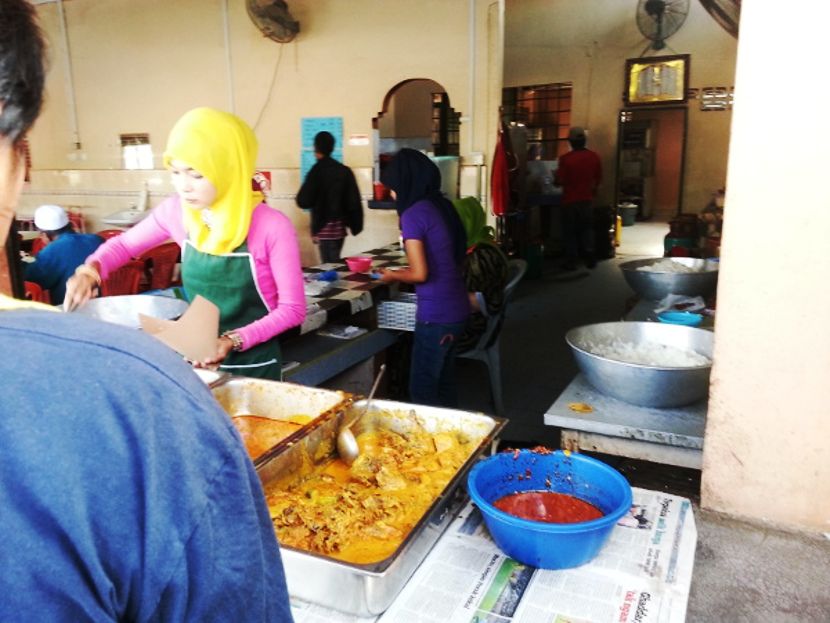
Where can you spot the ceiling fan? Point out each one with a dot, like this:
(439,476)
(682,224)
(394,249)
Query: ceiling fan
(660,19)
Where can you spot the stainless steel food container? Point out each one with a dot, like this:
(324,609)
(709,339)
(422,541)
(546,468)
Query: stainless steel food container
(647,386)
(368,590)
(655,286)
(279,401)
(124,310)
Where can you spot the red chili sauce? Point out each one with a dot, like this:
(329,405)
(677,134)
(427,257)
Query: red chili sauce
(547,506)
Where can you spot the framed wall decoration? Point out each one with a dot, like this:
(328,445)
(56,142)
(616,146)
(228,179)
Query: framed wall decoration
(656,80)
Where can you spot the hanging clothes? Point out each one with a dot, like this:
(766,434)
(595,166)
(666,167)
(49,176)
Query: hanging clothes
(500,177)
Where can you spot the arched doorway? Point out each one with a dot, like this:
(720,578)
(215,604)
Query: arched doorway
(417,114)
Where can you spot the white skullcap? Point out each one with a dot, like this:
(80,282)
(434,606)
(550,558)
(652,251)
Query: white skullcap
(51,218)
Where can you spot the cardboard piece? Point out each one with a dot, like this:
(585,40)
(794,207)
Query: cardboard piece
(193,335)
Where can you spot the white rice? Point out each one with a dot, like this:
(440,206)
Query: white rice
(647,354)
(668,265)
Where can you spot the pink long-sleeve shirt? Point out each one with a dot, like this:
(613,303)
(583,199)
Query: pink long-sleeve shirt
(272,241)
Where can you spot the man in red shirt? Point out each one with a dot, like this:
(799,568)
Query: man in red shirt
(579,174)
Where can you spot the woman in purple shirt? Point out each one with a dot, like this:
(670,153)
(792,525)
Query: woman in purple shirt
(435,245)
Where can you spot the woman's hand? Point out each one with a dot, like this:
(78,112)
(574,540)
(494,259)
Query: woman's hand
(81,286)
(224,345)
(386,275)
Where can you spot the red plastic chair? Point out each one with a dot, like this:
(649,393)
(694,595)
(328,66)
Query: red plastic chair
(125,280)
(35,293)
(106,234)
(160,263)
(38,244)
(77,220)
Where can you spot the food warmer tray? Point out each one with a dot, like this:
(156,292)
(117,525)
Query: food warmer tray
(279,401)
(369,589)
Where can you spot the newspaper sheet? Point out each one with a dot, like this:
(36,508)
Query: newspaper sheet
(642,575)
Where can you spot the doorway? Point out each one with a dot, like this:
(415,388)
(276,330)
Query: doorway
(651,147)
(417,114)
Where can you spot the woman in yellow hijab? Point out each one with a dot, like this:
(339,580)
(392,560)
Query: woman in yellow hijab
(236,251)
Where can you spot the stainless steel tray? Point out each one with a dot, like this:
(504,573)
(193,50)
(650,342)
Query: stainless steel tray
(368,590)
(279,401)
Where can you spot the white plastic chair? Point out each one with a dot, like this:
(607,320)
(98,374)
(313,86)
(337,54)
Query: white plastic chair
(487,347)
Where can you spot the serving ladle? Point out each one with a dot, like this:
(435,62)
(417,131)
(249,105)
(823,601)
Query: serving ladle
(347,446)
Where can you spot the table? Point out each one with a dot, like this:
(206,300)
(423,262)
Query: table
(351,292)
(643,574)
(670,436)
(350,299)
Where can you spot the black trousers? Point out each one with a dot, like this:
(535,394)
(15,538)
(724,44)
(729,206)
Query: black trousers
(330,250)
(578,229)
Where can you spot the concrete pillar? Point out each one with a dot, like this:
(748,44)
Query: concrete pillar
(767,449)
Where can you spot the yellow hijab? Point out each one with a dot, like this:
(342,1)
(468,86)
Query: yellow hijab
(223,148)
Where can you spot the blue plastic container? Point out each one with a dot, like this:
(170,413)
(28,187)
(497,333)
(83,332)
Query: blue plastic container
(540,544)
(688,319)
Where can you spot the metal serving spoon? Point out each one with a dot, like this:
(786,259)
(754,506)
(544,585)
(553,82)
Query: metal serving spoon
(347,446)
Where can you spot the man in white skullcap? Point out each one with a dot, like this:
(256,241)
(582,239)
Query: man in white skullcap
(66,250)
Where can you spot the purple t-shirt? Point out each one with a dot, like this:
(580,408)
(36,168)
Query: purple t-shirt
(442,298)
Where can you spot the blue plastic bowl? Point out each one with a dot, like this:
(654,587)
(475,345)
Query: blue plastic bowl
(688,319)
(541,544)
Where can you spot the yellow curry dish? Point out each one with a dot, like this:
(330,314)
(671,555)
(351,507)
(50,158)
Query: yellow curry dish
(361,514)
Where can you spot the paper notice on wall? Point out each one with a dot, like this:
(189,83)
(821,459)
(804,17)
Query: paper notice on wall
(309,128)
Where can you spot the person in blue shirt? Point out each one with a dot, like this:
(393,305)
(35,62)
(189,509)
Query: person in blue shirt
(126,493)
(66,250)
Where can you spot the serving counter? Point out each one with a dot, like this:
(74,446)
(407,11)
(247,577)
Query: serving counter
(346,298)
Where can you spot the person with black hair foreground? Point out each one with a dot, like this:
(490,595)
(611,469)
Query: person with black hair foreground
(579,174)
(330,192)
(67,250)
(126,492)
(435,244)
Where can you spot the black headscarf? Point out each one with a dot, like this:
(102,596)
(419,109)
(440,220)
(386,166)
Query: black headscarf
(414,177)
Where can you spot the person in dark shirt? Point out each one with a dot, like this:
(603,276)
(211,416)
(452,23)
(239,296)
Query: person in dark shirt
(330,192)
(66,251)
(126,493)
(579,174)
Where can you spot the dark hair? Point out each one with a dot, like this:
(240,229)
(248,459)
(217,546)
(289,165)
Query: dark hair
(414,177)
(22,72)
(577,143)
(54,233)
(324,143)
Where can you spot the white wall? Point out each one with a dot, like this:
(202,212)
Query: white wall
(137,66)
(587,43)
(767,451)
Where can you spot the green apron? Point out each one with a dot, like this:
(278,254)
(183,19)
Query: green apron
(229,281)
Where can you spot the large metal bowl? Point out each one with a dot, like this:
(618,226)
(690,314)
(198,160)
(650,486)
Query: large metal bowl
(655,286)
(124,310)
(647,386)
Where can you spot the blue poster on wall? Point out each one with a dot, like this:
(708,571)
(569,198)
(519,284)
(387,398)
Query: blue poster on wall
(309,127)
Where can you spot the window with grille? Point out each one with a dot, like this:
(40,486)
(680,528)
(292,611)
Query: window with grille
(545,109)
(445,126)
(136,151)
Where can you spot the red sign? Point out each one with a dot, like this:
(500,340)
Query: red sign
(261,181)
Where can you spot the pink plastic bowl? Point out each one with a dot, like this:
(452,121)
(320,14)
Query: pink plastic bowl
(359,264)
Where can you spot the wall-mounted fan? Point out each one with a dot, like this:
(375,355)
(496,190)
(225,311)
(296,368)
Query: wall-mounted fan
(660,19)
(273,19)
(727,13)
